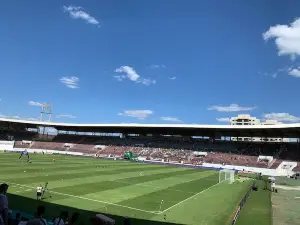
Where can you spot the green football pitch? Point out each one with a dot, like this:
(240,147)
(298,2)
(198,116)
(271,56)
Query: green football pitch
(144,192)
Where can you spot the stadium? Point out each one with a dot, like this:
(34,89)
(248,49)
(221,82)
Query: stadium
(154,173)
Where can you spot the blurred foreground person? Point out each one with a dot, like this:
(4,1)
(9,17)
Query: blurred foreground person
(3,205)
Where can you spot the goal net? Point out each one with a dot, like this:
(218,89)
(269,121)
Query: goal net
(226,176)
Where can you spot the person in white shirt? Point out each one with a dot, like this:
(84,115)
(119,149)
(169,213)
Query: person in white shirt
(3,205)
(273,186)
(39,190)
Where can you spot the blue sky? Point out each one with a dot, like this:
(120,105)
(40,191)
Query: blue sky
(170,61)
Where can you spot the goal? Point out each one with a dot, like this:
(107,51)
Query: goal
(226,175)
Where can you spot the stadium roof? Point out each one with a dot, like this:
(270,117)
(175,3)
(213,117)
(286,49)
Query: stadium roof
(280,130)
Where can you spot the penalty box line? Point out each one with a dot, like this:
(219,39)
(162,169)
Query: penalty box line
(193,196)
(88,199)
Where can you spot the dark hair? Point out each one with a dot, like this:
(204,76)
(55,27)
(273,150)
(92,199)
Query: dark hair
(3,187)
(41,210)
(74,217)
(64,215)
(18,215)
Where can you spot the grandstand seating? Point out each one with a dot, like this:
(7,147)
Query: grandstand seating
(20,144)
(165,148)
(49,145)
(297,168)
(276,164)
(84,148)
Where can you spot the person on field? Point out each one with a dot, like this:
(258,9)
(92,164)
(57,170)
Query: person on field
(39,190)
(25,153)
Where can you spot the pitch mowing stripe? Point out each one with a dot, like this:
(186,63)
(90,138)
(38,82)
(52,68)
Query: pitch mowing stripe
(91,180)
(42,172)
(193,196)
(169,196)
(169,180)
(47,159)
(49,163)
(79,197)
(42,177)
(81,189)
(35,161)
(57,167)
(140,189)
(61,183)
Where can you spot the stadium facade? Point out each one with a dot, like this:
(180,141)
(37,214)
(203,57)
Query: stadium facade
(199,145)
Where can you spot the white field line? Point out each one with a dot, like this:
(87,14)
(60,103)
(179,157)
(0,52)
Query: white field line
(110,203)
(94,200)
(189,198)
(24,190)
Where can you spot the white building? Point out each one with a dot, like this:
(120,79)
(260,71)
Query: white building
(246,120)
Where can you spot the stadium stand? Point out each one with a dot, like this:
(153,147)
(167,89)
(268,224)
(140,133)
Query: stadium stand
(171,148)
(49,145)
(84,148)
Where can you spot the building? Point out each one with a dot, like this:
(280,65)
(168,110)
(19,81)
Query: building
(246,120)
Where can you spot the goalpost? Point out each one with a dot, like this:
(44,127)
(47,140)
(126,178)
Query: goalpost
(226,175)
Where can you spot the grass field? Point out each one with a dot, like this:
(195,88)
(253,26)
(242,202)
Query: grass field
(258,208)
(119,188)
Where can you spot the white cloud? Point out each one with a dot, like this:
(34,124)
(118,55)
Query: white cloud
(76,12)
(172,78)
(120,78)
(231,108)
(294,72)
(155,66)
(66,116)
(146,81)
(10,117)
(277,72)
(33,119)
(138,114)
(127,72)
(282,117)
(19,117)
(224,119)
(287,38)
(70,82)
(171,119)
(33,103)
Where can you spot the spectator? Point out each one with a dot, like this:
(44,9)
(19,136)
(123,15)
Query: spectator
(17,220)
(38,220)
(74,218)
(101,219)
(3,205)
(61,219)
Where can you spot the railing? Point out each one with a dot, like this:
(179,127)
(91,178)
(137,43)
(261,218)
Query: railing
(242,203)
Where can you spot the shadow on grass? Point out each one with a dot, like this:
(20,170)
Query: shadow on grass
(28,206)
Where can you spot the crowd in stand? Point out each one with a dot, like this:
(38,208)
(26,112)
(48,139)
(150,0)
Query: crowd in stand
(175,149)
